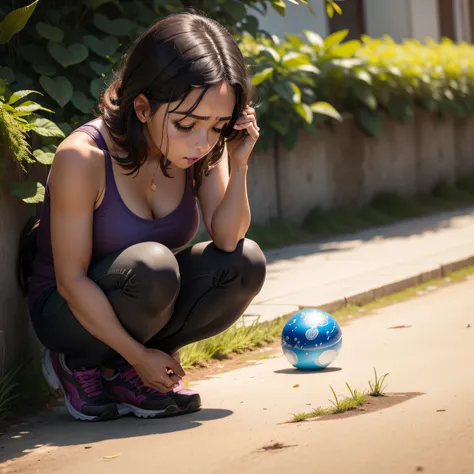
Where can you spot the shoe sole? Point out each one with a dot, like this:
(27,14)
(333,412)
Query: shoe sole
(191,408)
(125,409)
(54,382)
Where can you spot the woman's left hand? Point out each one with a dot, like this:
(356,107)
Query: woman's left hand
(241,147)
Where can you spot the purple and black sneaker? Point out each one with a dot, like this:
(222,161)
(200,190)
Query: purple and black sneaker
(84,394)
(187,400)
(128,390)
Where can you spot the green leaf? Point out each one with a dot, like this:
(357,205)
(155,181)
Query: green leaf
(118,27)
(346,50)
(294,40)
(271,53)
(369,121)
(288,91)
(281,128)
(251,25)
(364,76)
(28,107)
(329,9)
(314,39)
(65,128)
(236,9)
(16,96)
(7,74)
(279,6)
(100,69)
(45,158)
(292,60)
(304,111)
(296,93)
(400,110)
(45,68)
(102,47)
(96,87)
(309,68)
(51,33)
(82,102)
(291,137)
(73,54)
(337,8)
(324,108)
(366,96)
(15,21)
(59,88)
(335,38)
(262,76)
(46,128)
(30,192)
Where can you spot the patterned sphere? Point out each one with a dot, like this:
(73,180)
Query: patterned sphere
(311,339)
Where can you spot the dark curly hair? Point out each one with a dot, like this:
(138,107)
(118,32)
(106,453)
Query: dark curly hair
(177,54)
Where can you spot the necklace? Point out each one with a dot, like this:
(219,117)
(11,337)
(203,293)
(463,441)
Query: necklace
(153,184)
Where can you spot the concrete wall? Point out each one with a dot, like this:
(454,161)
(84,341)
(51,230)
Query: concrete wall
(341,166)
(423,18)
(390,17)
(296,19)
(398,18)
(15,340)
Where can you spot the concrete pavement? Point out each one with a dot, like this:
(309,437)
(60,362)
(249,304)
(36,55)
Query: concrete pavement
(362,267)
(246,410)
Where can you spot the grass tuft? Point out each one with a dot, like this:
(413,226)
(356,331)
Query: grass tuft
(342,405)
(376,388)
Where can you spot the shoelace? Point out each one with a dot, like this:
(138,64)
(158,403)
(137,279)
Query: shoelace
(131,376)
(91,383)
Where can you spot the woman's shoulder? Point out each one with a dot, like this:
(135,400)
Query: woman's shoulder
(79,151)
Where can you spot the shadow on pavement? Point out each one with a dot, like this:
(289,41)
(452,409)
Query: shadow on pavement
(57,429)
(405,228)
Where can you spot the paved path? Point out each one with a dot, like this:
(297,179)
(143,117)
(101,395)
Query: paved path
(318,274)
(246,410)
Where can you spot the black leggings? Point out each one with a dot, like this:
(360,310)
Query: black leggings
(164,301)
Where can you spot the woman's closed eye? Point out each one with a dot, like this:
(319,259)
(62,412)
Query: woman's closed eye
(188,128)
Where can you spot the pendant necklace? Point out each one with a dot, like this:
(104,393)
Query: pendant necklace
(153,184)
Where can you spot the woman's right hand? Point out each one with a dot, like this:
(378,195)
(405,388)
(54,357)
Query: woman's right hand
(153,367)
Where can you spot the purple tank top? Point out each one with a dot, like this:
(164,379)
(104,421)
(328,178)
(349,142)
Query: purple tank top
(115,226)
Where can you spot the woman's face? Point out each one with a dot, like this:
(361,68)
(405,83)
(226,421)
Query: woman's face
(189,140)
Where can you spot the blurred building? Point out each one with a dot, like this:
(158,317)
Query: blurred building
(398,18)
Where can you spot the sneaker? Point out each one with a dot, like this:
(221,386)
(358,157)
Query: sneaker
(84,395)
(127,389)
(187,400)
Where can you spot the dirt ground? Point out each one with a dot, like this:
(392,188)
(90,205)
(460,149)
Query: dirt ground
(425,424)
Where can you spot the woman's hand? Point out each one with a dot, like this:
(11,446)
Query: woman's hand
(240,148)
(154,366)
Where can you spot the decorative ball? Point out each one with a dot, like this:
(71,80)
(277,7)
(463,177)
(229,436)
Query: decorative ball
(311,339)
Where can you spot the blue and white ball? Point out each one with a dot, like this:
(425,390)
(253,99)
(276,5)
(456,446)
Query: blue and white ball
(311,339)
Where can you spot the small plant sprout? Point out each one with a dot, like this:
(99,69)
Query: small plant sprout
(376,389)
(338,404)
(356,396)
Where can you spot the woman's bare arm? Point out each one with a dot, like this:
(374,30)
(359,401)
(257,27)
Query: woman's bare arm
(74,187)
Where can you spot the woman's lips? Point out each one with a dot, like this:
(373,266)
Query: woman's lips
(193,159)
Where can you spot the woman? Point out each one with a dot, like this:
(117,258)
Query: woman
(114,293)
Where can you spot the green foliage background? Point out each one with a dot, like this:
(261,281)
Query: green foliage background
(62,53)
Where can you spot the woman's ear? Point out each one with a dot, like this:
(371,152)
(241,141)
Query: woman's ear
(142,108)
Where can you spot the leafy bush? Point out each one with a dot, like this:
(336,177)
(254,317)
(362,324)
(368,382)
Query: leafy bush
(358,77)
(18,117)
(68,51)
